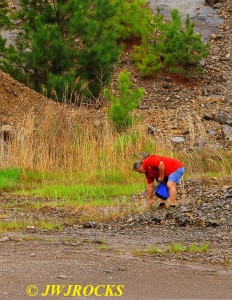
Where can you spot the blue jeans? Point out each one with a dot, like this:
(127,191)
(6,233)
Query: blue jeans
(176,176)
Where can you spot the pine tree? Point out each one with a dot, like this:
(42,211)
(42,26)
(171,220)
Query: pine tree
(4,23)
(4,11)
(127,100)
(62,40)
(98,34)
(172,47)
(181,46)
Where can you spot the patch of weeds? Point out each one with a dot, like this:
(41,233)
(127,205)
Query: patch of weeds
(176,248)
(50,225)
(198,248)
(153,250)
(15,225)
(102,247)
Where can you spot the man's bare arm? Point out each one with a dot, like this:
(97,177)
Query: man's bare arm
(161,171)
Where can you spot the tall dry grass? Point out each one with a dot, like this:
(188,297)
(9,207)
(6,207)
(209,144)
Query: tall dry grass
(60,143)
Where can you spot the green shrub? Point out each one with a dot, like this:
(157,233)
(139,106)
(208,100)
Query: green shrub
(122,105)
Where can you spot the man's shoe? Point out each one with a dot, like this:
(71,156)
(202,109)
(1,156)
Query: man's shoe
(162,206)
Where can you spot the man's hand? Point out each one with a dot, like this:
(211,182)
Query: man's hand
(160,179)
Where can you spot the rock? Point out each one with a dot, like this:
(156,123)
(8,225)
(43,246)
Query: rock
(216,37)
(75,244)
(5,239)
(62,276)
(31,228)
(208,117)
(177,139)
(90,225)
(223,118)
(227,132)
(151,129)
(143,107)
(202,62)
(211,2)
(212,223)
(186,132)
(212,132)
(168,79)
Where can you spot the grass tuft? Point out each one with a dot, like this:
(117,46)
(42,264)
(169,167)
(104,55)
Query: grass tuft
(10,177)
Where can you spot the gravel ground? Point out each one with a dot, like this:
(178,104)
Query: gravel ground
(203,216)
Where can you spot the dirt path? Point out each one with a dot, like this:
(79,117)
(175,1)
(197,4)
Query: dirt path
(77,257)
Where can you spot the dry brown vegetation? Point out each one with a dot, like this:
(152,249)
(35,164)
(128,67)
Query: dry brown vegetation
(56,143)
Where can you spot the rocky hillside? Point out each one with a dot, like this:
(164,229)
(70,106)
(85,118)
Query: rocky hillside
(202,107)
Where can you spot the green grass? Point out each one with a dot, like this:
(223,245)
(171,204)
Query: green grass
(10,178)
(153,250)
(102,247)
(13,225)
(192,248)
(109,176)
(176,248)
(198,248)
(103,195)
(171,249)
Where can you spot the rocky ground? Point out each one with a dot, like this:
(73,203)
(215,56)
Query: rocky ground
(203,216)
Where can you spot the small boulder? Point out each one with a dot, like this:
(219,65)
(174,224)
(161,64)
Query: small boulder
(208,117)
(223,118)
(227,132)
(177,139)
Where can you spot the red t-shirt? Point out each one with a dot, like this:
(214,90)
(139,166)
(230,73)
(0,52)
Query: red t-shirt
(151,164)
